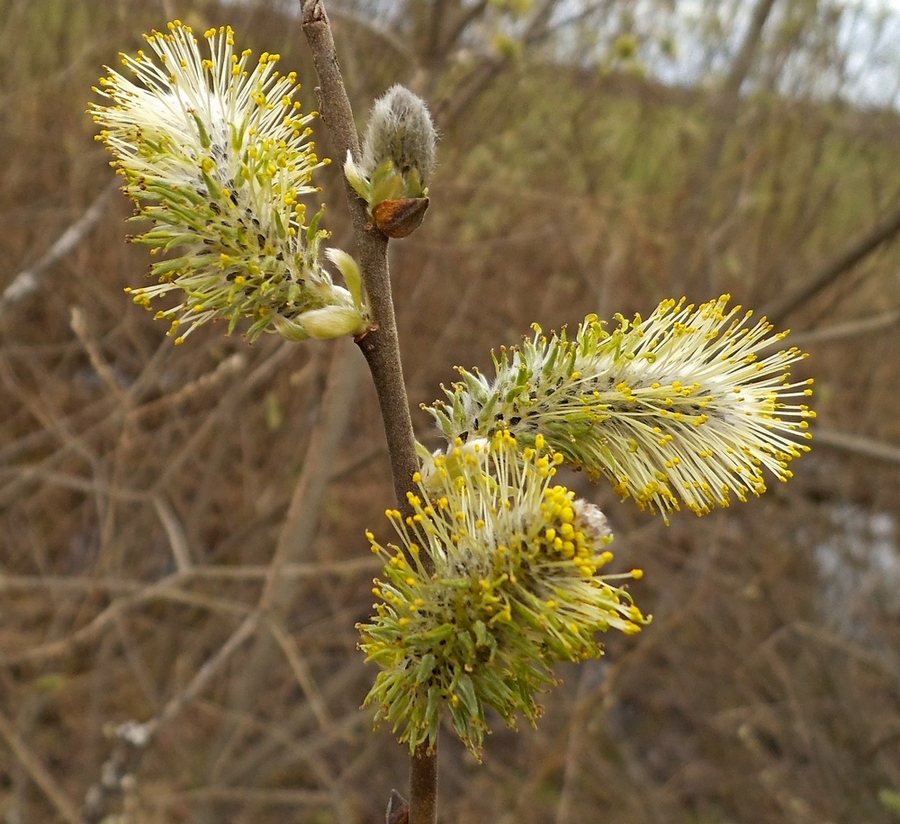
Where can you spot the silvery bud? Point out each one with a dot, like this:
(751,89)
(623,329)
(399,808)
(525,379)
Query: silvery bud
(400,133)
(398,157)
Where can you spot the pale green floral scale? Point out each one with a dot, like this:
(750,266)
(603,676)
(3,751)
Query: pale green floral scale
(683,407)
(218,156)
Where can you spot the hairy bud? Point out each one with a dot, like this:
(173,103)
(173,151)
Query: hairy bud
(397,161)
(400,132)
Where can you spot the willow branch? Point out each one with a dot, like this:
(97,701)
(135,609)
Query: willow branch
(833,269)
(28,280)
(858,445)
(380,345)
(38,772)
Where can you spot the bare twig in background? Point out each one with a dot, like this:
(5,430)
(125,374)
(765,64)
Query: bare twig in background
(28,280)
(134,739)
(295,536)
(343,376)
(119,585)
(164,589)
(226,370)
(858,445)
(38,772)
(486,70)
(279,588)
(174,530)
(832,269)
(301,671)
(723,108)
(206,673)
(389,38)
(79,326)
(848,329)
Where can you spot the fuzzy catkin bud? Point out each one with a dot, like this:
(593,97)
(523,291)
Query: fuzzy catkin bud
(400,131)
(397,161)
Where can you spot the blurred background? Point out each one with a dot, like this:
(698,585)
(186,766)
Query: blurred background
(182,528)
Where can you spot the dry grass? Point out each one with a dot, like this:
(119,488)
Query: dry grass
(181,529)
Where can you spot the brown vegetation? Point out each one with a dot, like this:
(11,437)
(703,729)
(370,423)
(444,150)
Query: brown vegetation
(181,529)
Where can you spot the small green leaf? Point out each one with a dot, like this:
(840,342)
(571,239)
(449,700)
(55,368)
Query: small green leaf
(350,272)
(356,178)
